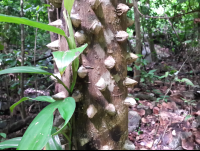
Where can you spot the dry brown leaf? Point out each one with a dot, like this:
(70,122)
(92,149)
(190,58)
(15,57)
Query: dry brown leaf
(145,120)
(169,106)
(156,110)
(141,112)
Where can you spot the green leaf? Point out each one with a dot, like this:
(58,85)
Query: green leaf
(187,117)
(18,20)
(37,8)
(181,1)
(68,5)
(66,110)
(39,98)
(70,40)
(129,69)
(142,80)
(75,65)
(3,135)
(39,131)
(187,81)
(11,143)
(63,59)
(24,69)
(137,99)
(1,47)
(53,143)
(17,103)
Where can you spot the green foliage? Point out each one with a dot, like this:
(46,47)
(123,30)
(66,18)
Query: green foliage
(1,47)
(41,127)
(187,81)
(63,59)
(54,143)
(11,143)
(3,135)
(187,117)
(129,69)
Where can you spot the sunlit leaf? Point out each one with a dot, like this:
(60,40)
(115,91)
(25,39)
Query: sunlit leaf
(11,143)
(66,110)
(64,58)
(39,131)
(68,5)
(18,20)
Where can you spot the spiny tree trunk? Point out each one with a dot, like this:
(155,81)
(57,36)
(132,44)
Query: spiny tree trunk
(101,118)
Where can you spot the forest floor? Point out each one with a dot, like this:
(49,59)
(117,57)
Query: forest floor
(170,124)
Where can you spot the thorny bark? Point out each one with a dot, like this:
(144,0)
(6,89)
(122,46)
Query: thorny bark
(103,131)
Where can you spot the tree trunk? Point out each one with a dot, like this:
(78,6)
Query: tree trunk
(138,39)
(101,116)
(22,110)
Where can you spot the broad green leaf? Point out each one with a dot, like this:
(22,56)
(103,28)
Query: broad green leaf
(63,59)
(25,69)
(53,143)
(68,5)
(39,98)
(39,131)
(11,143)
(18,20)
(3,135)
(1,47)
(66,109)
(187,81)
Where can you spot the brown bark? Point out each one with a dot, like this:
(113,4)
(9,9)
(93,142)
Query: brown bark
(22,110)
(103,131)
(138,39)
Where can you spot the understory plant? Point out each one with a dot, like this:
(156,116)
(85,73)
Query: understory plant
(41,132)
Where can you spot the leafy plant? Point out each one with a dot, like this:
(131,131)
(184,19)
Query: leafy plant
(41,127)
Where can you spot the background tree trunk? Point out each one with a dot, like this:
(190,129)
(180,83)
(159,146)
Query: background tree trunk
(108,128)
(22,110)
(138,39)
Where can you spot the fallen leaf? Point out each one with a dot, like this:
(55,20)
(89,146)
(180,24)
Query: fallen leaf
(156,110)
